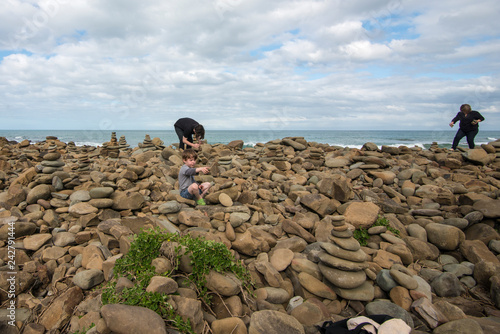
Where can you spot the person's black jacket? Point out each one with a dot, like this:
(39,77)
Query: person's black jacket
(466,121)
(186,125)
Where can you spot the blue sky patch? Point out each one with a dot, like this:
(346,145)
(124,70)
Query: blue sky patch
(80,33)
(5,53)
(390,27)
(479,39)
(77,36)
(260,51)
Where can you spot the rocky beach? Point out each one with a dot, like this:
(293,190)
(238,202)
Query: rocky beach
(325,233)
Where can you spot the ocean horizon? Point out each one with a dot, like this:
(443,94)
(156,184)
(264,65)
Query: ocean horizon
(343,138)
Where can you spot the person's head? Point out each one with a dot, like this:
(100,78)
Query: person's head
(465,108)
(189,157)
(199,132)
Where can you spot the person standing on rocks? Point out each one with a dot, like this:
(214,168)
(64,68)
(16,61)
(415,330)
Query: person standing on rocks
(185,129)
(188,187)
(469,120)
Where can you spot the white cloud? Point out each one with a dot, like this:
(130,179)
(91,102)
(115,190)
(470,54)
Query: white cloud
(366,51)
(248,64)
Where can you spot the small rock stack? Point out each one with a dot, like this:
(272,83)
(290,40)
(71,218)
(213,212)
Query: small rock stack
(273,152)
(226,160)
(158,143)
(52,142)
(343,264)
(84,161)
(71,147)
(147,144)
(122,143)
(113,148)
(316,154)
(51,160)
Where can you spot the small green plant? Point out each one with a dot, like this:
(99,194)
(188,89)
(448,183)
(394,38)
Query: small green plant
(382,221)
(84,330)
(361,234)
(205,255)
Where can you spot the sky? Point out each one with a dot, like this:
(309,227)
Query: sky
(247,64)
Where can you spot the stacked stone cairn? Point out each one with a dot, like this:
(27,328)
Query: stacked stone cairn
(52,142)
(52,161)
(71,147)
(159,144)
(147,144)
(122,143)
(111,149)
(225,159)
(343,263)
(84,161)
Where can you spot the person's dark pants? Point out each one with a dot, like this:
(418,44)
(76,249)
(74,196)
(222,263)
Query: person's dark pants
(470,138)
(180,134)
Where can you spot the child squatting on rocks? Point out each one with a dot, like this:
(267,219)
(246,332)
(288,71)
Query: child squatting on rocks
(188,187)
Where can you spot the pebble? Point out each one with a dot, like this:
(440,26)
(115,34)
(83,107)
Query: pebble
(225,200)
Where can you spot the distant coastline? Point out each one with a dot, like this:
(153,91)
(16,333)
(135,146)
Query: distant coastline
(343,138)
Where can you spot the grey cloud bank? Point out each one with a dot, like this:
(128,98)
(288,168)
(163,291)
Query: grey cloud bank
(235,64)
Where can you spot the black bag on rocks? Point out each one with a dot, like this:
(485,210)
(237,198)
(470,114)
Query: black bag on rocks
(340,327)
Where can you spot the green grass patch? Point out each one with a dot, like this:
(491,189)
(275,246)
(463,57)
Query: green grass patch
(361,234)
(205,255)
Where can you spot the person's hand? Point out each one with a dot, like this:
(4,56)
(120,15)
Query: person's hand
(475,121)
(196,145)
(204,170)
(451,124)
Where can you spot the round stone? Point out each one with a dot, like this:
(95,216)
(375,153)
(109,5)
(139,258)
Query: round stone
(364,292)
(225,200)
(404,280)
(385,280)
(341,264)
(347,243)
(343,279)
(342,234)
(334,250)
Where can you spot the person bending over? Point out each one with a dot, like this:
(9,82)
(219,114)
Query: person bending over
(188,187)
(469,120)
(185,129)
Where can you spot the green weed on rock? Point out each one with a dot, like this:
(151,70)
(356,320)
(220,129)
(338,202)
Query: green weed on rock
(205,255)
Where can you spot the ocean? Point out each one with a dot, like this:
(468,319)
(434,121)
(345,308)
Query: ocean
(352,139)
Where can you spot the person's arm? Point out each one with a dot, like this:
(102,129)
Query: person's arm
(455,119)
(188,133)
(194,171)
(477,118)
(204,170)
(188,171)
(187,142)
